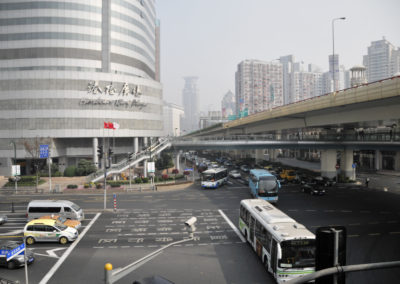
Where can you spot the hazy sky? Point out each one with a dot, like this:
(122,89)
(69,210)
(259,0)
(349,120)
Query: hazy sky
(208,38)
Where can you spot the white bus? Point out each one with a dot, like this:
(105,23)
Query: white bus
(214,178)
(286,248)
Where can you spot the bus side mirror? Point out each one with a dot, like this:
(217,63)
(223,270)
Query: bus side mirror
(279,252)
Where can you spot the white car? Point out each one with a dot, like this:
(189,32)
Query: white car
(3,219)
(235,174)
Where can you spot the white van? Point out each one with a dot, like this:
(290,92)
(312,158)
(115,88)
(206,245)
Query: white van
(68,209)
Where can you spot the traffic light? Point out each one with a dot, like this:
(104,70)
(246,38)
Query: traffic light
(100,152)
(110,152)
(325,243)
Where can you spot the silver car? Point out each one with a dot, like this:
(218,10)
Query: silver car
(3,219)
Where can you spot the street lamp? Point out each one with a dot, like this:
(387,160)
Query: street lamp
(333,50)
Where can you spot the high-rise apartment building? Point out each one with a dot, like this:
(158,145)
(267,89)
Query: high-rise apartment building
(382,60)
(259,86)
(190,96)
(228,105)
(66,67)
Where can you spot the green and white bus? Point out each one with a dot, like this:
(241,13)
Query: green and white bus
(286,248)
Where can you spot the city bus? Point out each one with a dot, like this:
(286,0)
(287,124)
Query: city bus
(214,178)
(285,247)
(264,185)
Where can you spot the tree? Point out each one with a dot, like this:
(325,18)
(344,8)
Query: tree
(165,161)
(85,167)
(32,148)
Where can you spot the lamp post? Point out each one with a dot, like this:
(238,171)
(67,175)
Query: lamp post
(15,163)
(333,50)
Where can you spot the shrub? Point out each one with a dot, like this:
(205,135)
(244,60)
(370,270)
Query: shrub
(138,180)
(180,176)
(86,185)
(99,185)
(70,171)
(72,186)
(164,177)
(115,185)
(85,167)
(175,171)
(145,180)
(186,173)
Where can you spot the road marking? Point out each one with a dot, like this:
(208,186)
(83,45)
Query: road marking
(394,233)
(51,272)
(355,224)
(374,234)
(353,236)
(373,223)
(329,211)
(232,225)
(346,211)
(392,221)
(311,210)
(12,233)
(51,252)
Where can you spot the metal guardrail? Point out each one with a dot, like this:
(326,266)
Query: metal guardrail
(344,269)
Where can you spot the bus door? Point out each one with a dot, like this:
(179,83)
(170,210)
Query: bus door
(252,225)
(274,252)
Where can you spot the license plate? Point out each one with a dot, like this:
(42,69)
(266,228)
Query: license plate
(31,259)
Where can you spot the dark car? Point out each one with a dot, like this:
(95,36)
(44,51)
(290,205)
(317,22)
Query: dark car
(245,168)
(17,261)
(324,181)
(313,188)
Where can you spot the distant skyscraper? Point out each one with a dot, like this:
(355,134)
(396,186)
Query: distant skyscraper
(190,104)
(382,60)
(228,104)
(287,70)
(334,71)
(259,86)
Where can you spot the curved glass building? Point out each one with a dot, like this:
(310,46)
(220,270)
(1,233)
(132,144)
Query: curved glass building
(69,66)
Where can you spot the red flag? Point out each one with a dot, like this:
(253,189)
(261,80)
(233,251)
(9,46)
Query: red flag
(105,124)
(110,125)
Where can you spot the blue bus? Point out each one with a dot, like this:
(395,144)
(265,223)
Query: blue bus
(264,185)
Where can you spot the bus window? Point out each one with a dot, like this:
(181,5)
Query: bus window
(267,186)
(297,254)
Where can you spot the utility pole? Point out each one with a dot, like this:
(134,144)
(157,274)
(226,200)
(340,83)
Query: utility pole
(15,164)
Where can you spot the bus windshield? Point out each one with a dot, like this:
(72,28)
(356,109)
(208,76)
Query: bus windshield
(207,177)
(267,186)
(298,254)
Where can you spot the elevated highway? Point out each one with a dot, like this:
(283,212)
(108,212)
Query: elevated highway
(365,117)
(370,105)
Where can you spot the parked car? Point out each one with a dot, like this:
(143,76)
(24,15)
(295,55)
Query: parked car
(227,163)
(313,188)
(288,175)
(245,168)
(17,261)
(235,174)
(3,219)
(67,222)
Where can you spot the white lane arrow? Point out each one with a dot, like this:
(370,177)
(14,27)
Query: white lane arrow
(51,252)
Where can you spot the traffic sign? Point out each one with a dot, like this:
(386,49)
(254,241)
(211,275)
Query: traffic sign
(10,254)
(16,170)
(337,166)
(151,168)
(43,151)
(188,170)
(354,165)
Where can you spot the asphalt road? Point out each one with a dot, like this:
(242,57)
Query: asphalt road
(145,222)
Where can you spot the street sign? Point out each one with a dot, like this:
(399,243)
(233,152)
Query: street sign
(337,166)
(354,165)
(151,168)
(15,170)
(188,170)
(43,151)
(10,254)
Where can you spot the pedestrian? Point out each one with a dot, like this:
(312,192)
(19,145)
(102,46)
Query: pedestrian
(367,181)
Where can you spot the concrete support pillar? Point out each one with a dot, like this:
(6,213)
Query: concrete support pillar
(145,141)
(346,164)
(328,163)
(177,161)
(95,157)
(397,161)
(145,168)
(378,160)
(63,164)
(136,144)
(259,155)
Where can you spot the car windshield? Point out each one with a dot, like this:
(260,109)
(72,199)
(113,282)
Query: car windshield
(267,186)
(60,226)
(298,254)
(75,207)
